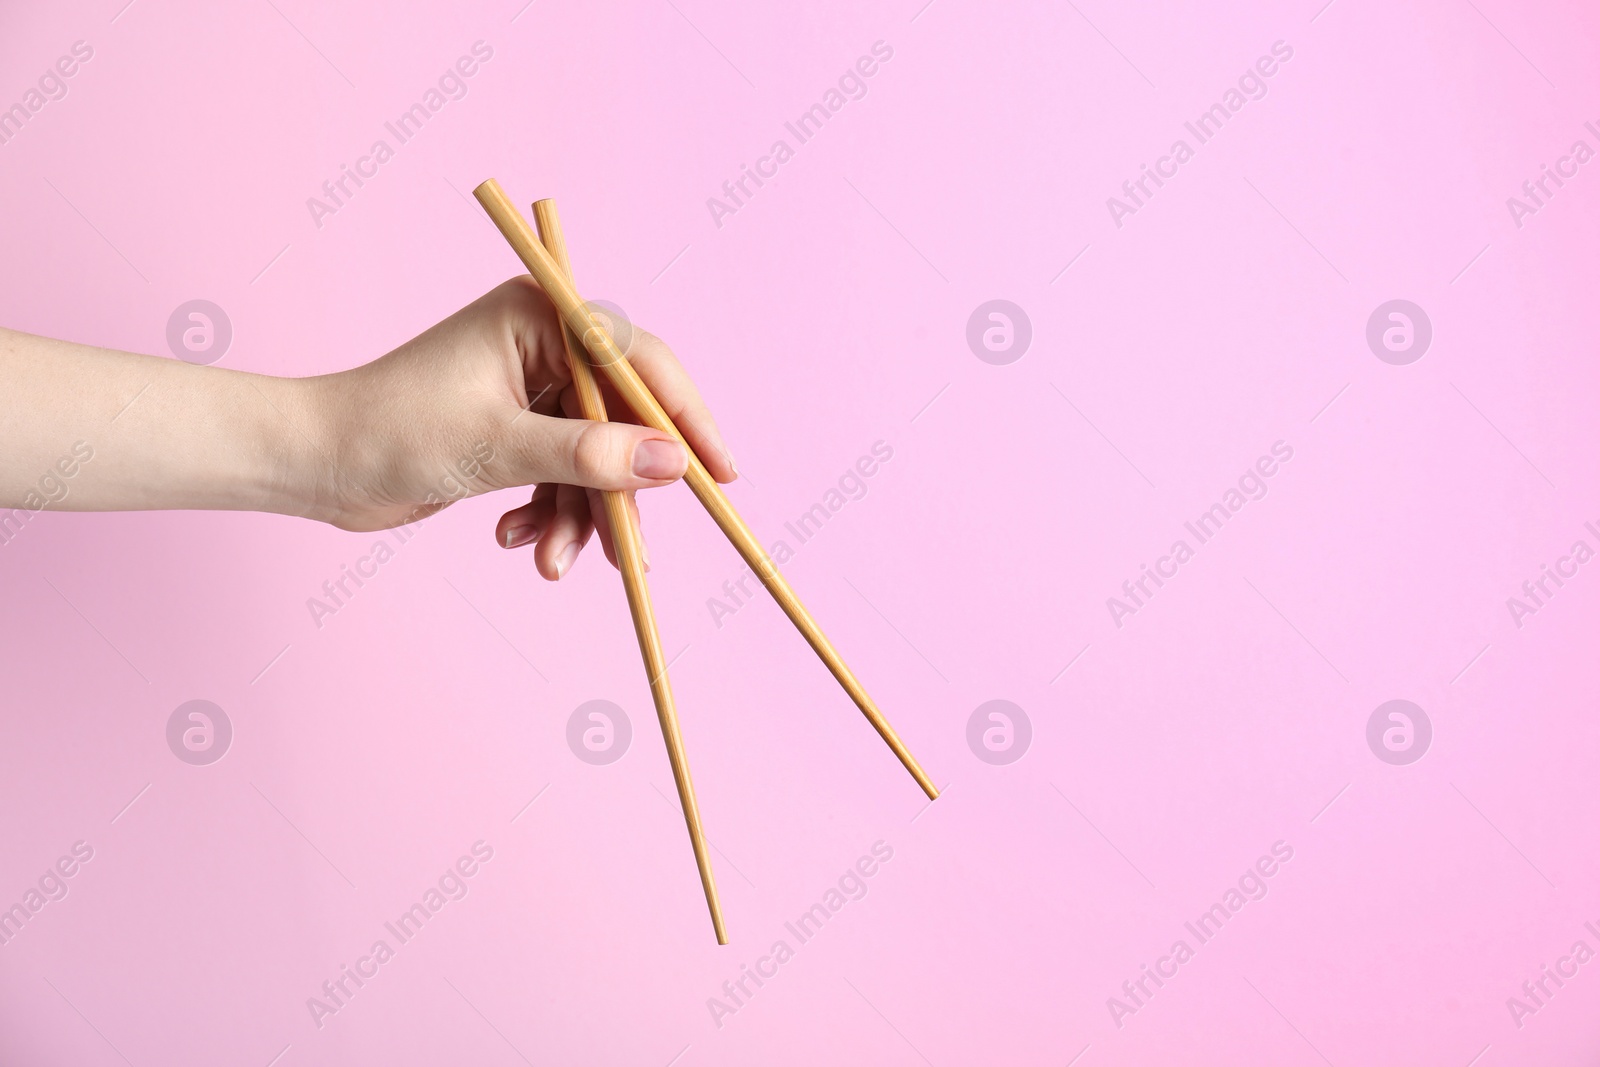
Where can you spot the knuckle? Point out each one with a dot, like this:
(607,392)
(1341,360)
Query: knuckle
(517,299)
(522,287)
(646,343)
(598,455)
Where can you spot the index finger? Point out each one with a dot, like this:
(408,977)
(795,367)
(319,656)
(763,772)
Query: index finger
(670,383)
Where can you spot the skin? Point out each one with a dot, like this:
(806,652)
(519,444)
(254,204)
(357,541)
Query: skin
(482,401)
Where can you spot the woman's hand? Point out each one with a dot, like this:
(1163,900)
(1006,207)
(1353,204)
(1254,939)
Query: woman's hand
(484,401)
(480,402)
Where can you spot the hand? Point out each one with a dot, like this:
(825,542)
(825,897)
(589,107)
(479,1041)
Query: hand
(484,401)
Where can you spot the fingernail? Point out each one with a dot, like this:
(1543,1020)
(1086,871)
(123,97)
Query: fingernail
(659,459)
(644,552)
(518,536)
(564,561)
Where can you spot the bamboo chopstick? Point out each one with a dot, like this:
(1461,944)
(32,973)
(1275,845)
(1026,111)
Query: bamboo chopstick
(614,365)
(630,561)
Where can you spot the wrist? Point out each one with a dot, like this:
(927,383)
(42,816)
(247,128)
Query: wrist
(301,449)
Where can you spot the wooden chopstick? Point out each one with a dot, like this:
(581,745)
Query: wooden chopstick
(626,540)
(626,381)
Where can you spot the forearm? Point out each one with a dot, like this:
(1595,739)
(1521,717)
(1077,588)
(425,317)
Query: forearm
(91,429)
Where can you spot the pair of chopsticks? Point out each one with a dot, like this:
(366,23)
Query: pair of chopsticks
(590,346)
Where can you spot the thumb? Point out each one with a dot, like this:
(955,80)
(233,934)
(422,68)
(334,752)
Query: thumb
(596,455)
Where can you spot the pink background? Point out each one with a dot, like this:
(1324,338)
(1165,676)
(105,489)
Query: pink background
(1229,714)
